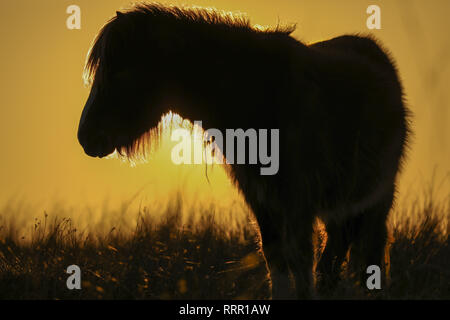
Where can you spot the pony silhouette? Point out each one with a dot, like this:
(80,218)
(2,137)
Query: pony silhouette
(338,105)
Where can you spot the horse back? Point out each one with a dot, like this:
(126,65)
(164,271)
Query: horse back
(359,122)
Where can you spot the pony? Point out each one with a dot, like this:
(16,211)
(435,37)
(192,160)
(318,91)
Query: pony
(338,104)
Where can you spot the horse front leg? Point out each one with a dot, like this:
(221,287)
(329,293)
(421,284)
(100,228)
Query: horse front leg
(287,245)
(275,255)
(300,255)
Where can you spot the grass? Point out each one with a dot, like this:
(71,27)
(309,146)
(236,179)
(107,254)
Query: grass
(172,259)
(165,259)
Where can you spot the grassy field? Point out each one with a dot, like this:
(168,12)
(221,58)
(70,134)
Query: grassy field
(170,259)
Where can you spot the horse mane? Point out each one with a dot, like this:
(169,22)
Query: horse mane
(208,18)
(138,20)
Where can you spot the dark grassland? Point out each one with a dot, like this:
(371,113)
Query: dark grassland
(169,259)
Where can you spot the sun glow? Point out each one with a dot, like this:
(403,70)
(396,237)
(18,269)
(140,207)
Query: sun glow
(149,184)
(205,185)
(161,137)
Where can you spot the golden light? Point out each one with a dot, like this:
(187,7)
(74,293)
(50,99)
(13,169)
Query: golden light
(201,186)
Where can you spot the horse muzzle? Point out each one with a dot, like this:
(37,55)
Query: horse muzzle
(96,145)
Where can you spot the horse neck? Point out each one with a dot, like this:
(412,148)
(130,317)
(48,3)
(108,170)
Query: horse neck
(226,84)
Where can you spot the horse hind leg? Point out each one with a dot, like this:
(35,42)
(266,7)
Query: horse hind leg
(370,243)
(364,234)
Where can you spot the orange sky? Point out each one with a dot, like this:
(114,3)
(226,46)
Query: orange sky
(42,93)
